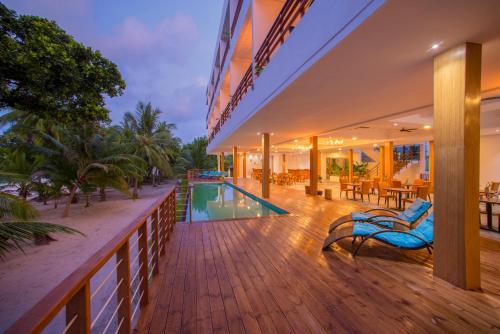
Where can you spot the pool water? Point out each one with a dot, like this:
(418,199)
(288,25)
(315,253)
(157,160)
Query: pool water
(215,201)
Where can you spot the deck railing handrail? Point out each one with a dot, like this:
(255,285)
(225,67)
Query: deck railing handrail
(236,16)
(74,291)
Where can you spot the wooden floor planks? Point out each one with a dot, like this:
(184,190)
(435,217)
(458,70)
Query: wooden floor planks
(269,275)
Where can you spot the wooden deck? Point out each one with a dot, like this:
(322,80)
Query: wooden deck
(269,275)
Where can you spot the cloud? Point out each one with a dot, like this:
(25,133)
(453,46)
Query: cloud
(172,39)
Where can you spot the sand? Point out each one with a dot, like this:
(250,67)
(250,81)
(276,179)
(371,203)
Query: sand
(26,278)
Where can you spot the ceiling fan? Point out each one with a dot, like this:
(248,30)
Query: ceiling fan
(403,129)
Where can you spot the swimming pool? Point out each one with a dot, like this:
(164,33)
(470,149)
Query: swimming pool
(216,201)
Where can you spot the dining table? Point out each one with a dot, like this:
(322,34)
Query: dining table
(399,191)
(489,203)
(353,186)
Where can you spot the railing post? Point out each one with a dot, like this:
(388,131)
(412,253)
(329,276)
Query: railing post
(163,226)
(155,243)
(78,312)
(143,262)
(123,273)
(172,212)
(190,203)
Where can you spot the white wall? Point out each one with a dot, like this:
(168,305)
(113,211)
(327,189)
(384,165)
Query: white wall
(489,159)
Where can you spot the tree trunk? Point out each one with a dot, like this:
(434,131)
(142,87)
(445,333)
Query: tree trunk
(134,194)
(102,193)
(70,200)
(55,203)
(87,200)
(153,177)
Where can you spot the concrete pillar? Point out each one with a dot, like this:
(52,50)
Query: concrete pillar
(244,171)
(265,165)
(457,98)
(222,161)
(218,163)
(313,165)
(382,163)
(351,165)
(283,164)
(389,159)
(235,165)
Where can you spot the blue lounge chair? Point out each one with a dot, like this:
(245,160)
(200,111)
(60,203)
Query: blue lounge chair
(420,237)
(385,217)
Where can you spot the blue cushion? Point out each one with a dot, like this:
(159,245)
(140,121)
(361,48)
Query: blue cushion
(363,216)
(364,229)
(415,211)
(424,230)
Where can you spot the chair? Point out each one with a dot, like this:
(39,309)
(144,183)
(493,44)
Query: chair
(344,188)
(396,184)
(420,237)
(382,193)
(422,193)
(375,182)
(365,190)
(385,217)
(416,183)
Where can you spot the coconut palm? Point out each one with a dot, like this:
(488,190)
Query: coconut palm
(81,160)
(196,153)
(17,225)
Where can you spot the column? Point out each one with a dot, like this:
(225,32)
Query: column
(457,98)
(222,161)
(431,163)
(382,163)
(218,163)
(265,165)
(244,171)
(283,164)
(351,165)
(235,165)
(313,165)
(389,160)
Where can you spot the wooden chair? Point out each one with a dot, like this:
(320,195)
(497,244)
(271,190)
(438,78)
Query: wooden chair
(414,187)
(422,192)
(344,188)
(365,190)
(396,184)
(375,182)
(382,193)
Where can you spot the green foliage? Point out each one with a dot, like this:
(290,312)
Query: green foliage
(196,154)
(45,72)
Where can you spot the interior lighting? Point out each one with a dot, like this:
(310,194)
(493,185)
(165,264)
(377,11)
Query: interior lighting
(395,124)
(354,138)
(427,127)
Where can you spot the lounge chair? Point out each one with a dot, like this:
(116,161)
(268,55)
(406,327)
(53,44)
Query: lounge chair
(386,217)
(420,237)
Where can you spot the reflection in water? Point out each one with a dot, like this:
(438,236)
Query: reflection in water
(213,201)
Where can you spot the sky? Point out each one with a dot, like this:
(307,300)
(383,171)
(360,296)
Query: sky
(163,48)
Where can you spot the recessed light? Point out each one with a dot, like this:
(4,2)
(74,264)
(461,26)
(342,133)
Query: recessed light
(272,146)
(258,133)
(434,46)
(340,149)
(427,127)
(354,138)
(395,124)
(296,141)
(497,130)
(272,133)
(375,145)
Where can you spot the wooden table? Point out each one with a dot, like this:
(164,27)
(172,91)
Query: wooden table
(489,210)
(353,185)
(400,192)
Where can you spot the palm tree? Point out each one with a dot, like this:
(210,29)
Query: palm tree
(151,140)
(81,160)
(196,153)
(17,226)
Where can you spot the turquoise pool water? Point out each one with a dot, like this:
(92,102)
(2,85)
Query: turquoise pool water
(215,201)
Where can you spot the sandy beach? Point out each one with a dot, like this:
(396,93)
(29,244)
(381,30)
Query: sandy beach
(26,278)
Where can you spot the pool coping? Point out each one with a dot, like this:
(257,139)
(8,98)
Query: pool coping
(278,210)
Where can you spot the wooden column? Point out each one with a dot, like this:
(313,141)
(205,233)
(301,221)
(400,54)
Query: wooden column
(235,165)
(283,164)
(142,234)
(431,163)
(265,165)
(351,165)
(222,161)
(218,163)
(382,163)
(313,165)
(457,98)
(78,311)
(244,169)
(389,160)
(123,273)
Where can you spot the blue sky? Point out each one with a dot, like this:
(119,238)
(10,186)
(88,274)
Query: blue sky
(163,48)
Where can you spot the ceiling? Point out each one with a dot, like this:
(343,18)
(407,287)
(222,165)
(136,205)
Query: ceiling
(381,74)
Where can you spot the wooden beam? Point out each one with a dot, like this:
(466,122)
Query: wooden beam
(382,163)
(244,169)
(235,165)
(313,165)
(389,160)
(265,165)
(351,165)
(431,163)
(457,98)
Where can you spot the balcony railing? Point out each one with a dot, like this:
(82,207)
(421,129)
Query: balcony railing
(281,28)
(137,250)
(236,16)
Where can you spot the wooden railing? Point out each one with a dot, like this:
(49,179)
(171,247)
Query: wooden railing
(373,172)
(282,26)
(403,160)
(73,295)
(280,29)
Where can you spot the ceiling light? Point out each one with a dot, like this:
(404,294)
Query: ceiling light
(497,130)
(296,141)
(434,46)
(427,127)
(340,148)
(272,133)
(272,146)
(258,133)
(395,124)
(354,138)
(375,145)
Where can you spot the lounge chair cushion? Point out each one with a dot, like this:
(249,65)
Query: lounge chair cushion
(424,230)
(364,229)
(415,211)
(362,216)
